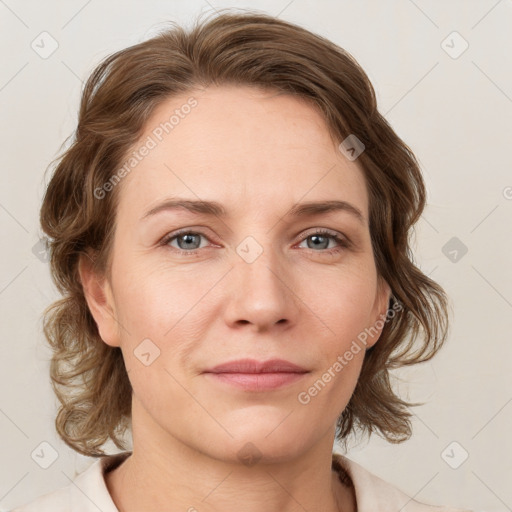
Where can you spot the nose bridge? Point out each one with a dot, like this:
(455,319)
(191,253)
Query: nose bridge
(262,293)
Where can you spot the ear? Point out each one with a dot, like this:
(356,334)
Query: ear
(379,313)
(99,297)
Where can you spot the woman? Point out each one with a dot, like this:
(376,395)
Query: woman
(229,230)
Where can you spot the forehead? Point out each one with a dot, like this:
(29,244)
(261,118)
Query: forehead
(242,147)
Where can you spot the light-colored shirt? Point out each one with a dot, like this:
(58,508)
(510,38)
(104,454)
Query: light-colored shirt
(88,492)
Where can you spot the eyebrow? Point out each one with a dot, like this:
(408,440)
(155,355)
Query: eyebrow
(214,208)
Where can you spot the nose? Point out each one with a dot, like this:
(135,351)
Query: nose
(261,293)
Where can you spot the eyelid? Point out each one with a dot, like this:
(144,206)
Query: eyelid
(326,231)
(164,241)
(343,241)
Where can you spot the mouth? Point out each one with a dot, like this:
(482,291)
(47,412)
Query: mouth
(253,375)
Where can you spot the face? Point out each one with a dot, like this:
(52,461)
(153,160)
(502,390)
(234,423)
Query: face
(256,276)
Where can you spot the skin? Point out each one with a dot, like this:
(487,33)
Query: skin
(257,153)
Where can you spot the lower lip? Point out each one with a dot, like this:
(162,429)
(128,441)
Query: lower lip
(257,381)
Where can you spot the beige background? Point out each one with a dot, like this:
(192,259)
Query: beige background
(454,113)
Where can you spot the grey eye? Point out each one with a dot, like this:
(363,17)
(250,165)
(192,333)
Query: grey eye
(187,241)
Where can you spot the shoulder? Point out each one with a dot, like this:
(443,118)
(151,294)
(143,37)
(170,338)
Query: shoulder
(374,493)
(56,500)
(86,493)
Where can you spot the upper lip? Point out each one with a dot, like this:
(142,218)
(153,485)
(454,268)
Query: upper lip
(254,366)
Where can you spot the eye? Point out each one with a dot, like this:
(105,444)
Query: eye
(320,239)
(187,241)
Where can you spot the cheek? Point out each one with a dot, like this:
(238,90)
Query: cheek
(169,307)
(344,311)
(343,304)
(150,295)
(144,305)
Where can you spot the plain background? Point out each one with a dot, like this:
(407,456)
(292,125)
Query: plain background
(454,111)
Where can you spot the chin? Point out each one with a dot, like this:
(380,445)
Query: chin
(265,439)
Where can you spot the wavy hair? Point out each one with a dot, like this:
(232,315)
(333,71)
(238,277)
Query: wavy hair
(233,48)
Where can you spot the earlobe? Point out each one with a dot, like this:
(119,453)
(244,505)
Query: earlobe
(99,297)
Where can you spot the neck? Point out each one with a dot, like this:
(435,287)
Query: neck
(164,473)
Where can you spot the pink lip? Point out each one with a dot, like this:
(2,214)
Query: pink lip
(252,375)
(254,366)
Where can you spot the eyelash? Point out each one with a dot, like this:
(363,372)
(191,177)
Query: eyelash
(343,243)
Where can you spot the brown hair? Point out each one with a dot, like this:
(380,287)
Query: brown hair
(249,49)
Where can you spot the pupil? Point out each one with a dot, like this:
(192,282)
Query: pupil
(319,237)
(187,238)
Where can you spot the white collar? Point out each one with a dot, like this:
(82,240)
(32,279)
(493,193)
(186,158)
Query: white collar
(88,492)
